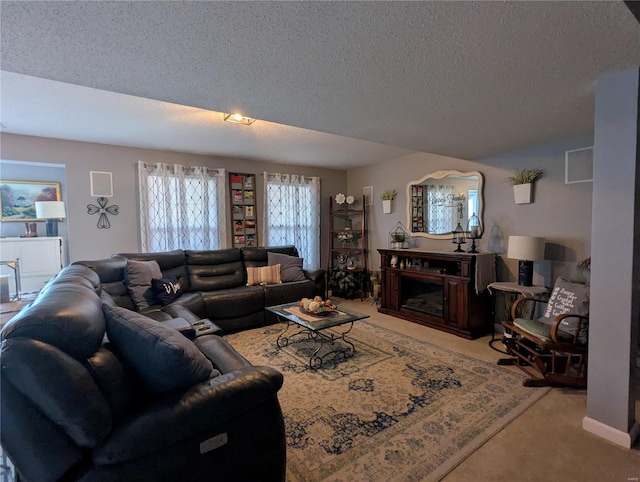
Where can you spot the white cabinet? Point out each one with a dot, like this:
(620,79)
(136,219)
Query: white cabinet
(40,260)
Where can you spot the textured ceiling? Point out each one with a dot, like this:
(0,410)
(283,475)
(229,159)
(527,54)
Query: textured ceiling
(462,79)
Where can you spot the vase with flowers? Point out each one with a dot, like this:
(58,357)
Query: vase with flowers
(345,238)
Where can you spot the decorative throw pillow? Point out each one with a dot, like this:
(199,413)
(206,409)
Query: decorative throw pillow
(568,297)
(137,278)
(164,358)
(290,266)
(166,289)
(264,275)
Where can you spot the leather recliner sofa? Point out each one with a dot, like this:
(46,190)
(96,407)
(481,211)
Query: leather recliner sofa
(213,284)
(79,403)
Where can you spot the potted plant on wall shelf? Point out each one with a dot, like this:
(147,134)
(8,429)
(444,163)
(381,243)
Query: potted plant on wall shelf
(522,182)
(387,197)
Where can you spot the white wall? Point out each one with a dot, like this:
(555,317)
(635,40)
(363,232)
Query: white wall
(560,212)
(85,240)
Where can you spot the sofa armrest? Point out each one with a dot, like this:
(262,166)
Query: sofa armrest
(176,418)
(181,325)
(315,274)
(319,277)
(181,311)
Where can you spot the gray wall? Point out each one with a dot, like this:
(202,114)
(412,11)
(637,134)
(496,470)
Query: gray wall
(86,241)
(561,212)
(615,305)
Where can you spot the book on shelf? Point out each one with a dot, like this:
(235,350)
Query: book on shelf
(235,180)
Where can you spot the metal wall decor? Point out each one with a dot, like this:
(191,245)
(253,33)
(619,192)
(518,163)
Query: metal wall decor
(103,209)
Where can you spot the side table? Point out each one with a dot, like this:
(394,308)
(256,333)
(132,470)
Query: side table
(15,266)
(514,288)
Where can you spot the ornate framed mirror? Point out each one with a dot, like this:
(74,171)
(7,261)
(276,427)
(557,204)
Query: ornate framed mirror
(437,202)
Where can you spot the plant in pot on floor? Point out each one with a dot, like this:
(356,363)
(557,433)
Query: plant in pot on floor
(344,284)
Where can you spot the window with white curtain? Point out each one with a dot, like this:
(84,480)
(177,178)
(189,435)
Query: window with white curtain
(181,207)
(439,209)
(292,214)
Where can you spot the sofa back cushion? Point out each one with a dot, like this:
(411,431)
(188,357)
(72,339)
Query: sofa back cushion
(67,315)
(260,256)
(60,387)
(120,386)
(111,274)
(215,270)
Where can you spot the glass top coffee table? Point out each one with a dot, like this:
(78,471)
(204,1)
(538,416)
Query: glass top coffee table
(311,327)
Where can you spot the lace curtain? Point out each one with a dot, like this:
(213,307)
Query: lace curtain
(292,214)
(440,211)
(181,207)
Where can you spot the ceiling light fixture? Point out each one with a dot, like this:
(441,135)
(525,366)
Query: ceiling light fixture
(239,119)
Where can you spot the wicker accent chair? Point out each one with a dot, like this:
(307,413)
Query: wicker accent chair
(551,349)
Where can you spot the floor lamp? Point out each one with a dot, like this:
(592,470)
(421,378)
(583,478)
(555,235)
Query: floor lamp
(526,249)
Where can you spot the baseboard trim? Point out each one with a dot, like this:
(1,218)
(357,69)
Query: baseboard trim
(612,434)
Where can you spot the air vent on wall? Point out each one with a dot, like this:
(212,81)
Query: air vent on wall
(578,165)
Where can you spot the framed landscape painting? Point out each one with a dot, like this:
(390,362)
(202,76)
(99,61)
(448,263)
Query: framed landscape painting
(17,198)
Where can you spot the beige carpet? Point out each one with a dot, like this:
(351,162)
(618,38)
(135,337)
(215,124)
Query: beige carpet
(400,409)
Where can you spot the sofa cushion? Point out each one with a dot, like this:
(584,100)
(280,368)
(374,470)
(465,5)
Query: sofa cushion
(264,275)
(137,278)
(164,359)
(166,289)
(290,266)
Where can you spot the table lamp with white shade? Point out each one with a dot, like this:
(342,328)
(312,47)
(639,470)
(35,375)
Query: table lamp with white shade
(526,249)
(51,211)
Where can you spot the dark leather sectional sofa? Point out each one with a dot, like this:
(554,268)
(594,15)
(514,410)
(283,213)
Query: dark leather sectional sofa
(93,390)
(214,285)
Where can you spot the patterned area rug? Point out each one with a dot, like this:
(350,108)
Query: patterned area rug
(400,409)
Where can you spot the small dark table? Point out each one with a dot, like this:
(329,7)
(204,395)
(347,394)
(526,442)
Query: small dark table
(515,288)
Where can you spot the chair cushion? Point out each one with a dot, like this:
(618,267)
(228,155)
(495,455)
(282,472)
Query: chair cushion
(166,289)
(263,275)
(565,298)
(164,358)
(290,266)
(540,330)
(137,278)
